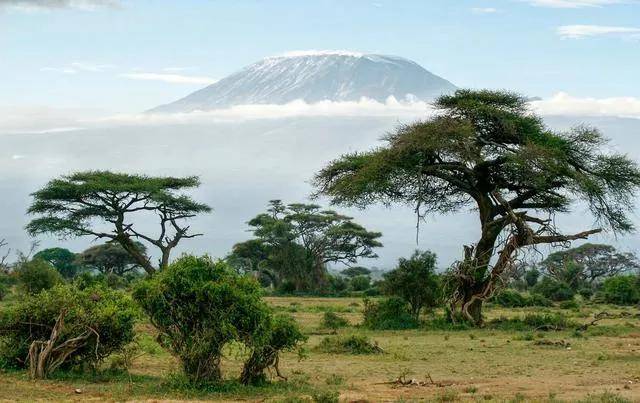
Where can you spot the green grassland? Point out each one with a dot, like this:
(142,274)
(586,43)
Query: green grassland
(439,364)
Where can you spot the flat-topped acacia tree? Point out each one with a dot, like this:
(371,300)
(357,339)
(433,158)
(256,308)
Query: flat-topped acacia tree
(82,203)
(486,150)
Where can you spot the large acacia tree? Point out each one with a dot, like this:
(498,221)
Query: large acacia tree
(103,204)
(486,150)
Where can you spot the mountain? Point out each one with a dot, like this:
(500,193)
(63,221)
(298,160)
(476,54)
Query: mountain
(314,77)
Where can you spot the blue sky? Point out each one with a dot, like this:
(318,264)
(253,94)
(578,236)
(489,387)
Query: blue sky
(131,55)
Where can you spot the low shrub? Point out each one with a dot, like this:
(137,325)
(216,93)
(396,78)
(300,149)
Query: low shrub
(101,320)
(569,304)
(554,290)
(547,321)
(388,314)
(621,290)
(333,321)
(37,275)
(349,345)
(510,299)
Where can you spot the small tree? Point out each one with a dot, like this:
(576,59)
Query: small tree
(280,334)
(199,305)
(110,258)
(71,206)
(297,241)
(415,281)
(62,259)
(486,150)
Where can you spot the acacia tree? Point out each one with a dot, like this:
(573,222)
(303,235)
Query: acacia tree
(484,149)
(77,205)
(297,241)
(110,258)
(589,263)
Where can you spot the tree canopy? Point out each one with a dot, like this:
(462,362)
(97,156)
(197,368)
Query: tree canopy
(62,259)
(486,150)
(110,258)
(296,241)
(589,263)
(81,203)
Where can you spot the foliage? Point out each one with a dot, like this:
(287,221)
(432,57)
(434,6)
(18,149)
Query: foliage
(333,321)
(388,314)
(36,275)
(110,258)
(513,299)
(554,290)
(589,263)
(486,150)
(295,242)
(531,277)
(281,333)
(104,318)
(73,204)
(621,290)
(355,271)
(353,344)
(63,260)
(199,305)
(533,321)
(360,283)
(415,281)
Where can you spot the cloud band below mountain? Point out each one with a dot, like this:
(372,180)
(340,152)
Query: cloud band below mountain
(47,120)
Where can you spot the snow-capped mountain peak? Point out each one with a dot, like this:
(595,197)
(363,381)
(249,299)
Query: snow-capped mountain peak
(314,76)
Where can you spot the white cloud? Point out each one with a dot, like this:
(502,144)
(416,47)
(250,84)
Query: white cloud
(48,120)
(63,70)
(563,104)
(584,31)
(169,78)
(77,67)
(484,10)
(37,5)
(574,3)
(91,67)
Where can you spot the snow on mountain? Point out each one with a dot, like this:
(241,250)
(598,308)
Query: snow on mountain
(314,76)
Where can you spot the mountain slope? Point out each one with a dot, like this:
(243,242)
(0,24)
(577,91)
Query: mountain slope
(315,77)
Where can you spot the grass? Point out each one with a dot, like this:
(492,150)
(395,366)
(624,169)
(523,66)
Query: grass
(496,363)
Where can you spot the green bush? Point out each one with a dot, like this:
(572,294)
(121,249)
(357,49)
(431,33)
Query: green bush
(536,321)
(333,321)
(510,299)
(105,316)
(554,290)
(621,290)
(279,333)
(513,299)
(200,305)
(539,300)
(349,345)
(360,283)
(391,313)
(37,275)
(570,304)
